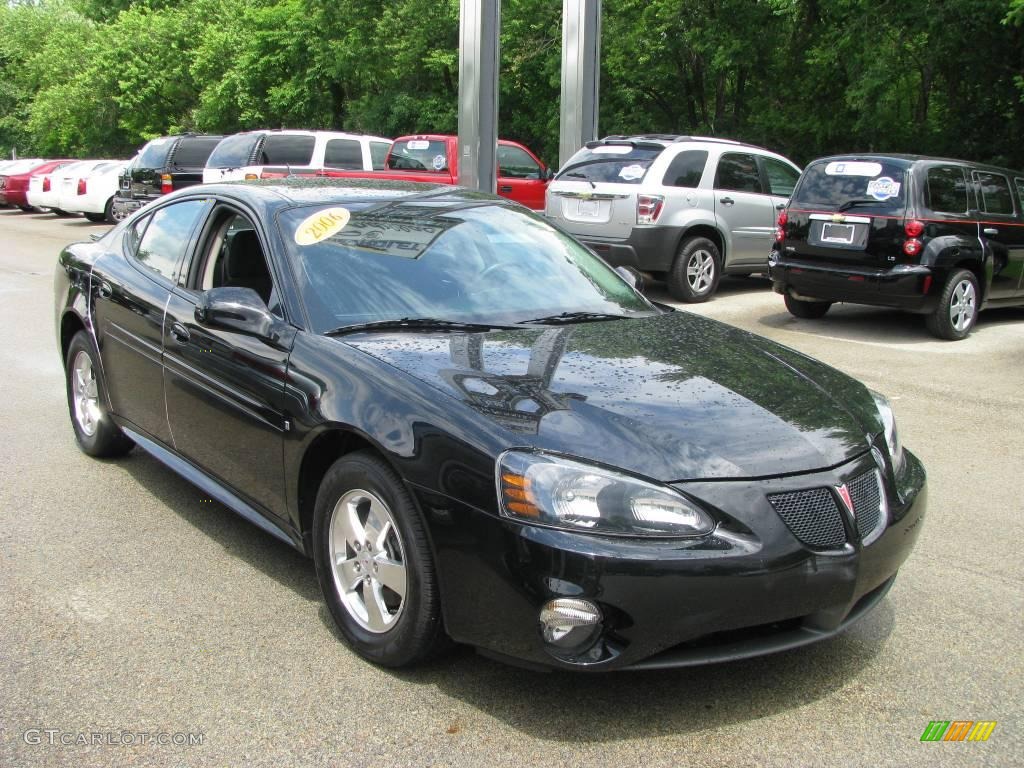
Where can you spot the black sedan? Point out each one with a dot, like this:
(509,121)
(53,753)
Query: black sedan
(482,433)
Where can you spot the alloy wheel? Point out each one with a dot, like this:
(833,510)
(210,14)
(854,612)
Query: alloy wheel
(368,560)
(85,394)
(700,271)
(962,306)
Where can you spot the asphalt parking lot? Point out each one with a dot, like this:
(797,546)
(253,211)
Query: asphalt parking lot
(131,605)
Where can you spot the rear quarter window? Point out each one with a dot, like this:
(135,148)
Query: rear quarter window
(864,185)
(154,154)
(234,151)
(194,152)
(287,150)
(610,163)
(686,169)
(946,190)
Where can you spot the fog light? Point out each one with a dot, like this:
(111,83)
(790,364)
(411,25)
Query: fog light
(569,623)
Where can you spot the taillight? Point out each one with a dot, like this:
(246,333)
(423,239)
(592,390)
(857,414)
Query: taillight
(46,183)
(913,228)
(780,230)
(165,184)
(81,186)
(913,247)
(648,208)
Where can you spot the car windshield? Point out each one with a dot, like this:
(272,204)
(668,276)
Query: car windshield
(480,264)
(610,163)
(852,185)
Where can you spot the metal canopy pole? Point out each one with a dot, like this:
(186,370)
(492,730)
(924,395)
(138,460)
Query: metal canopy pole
(581,75)
(479,26)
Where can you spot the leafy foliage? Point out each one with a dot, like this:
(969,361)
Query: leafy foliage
(804,77)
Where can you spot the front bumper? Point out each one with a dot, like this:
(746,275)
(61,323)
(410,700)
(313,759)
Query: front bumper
(748,589)
(899,287)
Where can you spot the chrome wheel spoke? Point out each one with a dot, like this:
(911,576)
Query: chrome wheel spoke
(349,574)
(391,574)
(376,611)
(351,529)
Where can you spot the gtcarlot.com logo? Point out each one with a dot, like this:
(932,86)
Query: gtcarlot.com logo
(958,730)
(57,737)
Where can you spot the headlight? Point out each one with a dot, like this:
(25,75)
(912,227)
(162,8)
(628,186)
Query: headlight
(892,436)
(550,490)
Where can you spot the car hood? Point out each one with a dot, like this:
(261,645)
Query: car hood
(672,397)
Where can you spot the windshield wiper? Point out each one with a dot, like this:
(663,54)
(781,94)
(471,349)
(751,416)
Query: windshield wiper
(583,176)
(858,201)
(413,323)
(574,317)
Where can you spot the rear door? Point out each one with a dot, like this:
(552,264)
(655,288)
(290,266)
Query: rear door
(1002,230)
(344,155)
(595,194)
(745,209)
(521,176)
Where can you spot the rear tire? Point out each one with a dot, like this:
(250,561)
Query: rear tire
(808,310)
(95,430)
(957,313)
(696,271)
(26,208)
(374,563)
(96,218)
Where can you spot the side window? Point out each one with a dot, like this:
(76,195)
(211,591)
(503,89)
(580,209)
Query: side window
(345,154)
(166,238)
(233,256)
(379,153)
(995,193)
(947,190)
(738,172)
(193,152)
(516,164)
(286,150)
(781,177)
(686,169)
(1020,189)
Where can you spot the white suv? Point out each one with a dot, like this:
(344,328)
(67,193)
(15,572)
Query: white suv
(252,154)
(685,208)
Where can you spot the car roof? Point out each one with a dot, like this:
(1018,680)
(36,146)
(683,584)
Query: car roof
(907,160)
(666,139)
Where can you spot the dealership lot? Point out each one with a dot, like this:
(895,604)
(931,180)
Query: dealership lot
(133,604)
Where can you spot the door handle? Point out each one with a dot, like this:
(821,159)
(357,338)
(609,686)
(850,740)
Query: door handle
(505,188)
(105,290)
(180,333)
(727,201)
(990,231)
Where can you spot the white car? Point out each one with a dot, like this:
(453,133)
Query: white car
(44,188)
(92,192)
(249,155)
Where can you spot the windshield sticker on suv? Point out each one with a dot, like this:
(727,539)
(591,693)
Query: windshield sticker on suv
(418,144)
(631,172)
(438,162)
(612,149)
(321,225)
(883,188)
(853,169)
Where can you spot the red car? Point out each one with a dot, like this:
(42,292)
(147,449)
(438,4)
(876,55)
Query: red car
(13,187)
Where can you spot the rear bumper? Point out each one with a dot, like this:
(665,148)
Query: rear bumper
(124,206)
(900,287)
(648,248)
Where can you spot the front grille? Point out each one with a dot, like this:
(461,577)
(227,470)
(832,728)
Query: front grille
(812,515)
(866,494)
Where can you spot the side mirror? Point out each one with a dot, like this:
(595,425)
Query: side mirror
(632,277)
(548,174)
(237,309)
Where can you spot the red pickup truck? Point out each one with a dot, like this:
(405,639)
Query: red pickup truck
(430,157)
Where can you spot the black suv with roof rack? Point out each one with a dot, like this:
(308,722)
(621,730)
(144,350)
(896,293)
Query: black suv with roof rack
(685,208)
(939,237)
(165,164)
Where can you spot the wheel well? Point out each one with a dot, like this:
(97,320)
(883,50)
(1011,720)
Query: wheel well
(703,230)
(326,449)
(70,324)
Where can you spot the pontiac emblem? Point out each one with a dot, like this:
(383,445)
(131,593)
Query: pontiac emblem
(844,494)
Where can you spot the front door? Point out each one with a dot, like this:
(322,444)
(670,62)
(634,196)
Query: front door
(225,390)
(521,177)
(1002,227)
(745,210)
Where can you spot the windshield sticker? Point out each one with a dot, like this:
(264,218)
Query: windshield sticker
(321,225)
(438,162)
(612,149)
(853,168)
(631,172)
(883,188)
(418,144)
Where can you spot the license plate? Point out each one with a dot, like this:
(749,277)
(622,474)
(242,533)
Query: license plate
(588,208)
(837,233)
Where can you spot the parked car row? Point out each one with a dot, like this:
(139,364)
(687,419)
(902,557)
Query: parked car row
(63,186)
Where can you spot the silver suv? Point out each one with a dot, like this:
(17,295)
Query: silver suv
(685,208)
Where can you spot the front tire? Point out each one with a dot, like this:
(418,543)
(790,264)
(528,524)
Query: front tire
(696,271)
(808,310)
(957,312)
(374,563)
(110,214)
(95,430)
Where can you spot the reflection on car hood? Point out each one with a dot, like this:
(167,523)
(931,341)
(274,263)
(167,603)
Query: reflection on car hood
(672,397)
